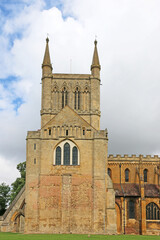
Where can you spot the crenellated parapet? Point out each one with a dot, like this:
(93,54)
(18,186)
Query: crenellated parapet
(133,157)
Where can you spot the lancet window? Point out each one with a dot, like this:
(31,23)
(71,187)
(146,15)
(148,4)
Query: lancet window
(109,172)
(145,173)
(64,97)
(152,211)
(74,156)
(66,153)
(58,156)
(77,99)
(131,206)
(127,175)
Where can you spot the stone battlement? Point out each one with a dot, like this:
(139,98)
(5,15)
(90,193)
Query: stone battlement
(133,157)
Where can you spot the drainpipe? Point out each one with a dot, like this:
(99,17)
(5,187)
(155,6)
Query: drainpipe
(123,201)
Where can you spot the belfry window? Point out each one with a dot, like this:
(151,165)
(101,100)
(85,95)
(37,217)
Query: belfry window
(66,153)
(152,211)
(145,175)
(64,97)
(127,175)
(77,99)
(131,206)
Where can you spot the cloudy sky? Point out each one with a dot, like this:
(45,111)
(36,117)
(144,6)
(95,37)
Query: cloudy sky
(128,34)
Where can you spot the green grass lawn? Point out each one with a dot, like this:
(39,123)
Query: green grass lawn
(18,236)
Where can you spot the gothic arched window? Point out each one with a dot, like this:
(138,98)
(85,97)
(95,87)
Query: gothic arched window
(127,175)
(152,211)
(66,154)
(77,99)
(131,209)
(64,97)
(58,156)
(145,175)
(74,156)
(109,172)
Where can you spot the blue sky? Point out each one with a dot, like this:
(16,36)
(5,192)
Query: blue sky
(8,11)
(128,44)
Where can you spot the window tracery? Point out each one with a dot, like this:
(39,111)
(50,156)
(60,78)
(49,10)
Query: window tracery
(66,153)
(152,211)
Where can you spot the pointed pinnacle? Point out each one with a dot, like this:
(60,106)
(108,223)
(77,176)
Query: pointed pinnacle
(46,59)
(95,61)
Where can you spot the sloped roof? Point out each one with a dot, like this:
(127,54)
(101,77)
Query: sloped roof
(152,190)
(132,190)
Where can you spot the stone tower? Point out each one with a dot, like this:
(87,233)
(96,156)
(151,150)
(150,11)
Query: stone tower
(81,92)
(67,186)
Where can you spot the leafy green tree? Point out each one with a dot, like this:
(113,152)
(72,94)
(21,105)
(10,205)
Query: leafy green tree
(4,197)
(20,182)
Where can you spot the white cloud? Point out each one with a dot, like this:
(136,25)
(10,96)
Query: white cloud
(8,171)
(129,51)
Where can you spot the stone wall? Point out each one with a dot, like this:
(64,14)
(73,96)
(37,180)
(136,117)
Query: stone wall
(10,221)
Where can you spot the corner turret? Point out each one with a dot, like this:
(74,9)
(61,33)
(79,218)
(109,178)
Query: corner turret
(46,86)
(95,67)
(46,65)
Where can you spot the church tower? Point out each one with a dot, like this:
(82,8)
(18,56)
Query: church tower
(67,186)
(81,92)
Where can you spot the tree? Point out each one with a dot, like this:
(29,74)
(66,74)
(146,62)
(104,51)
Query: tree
(20,182)
(4,197)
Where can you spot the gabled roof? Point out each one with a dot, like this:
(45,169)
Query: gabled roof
(67,116)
